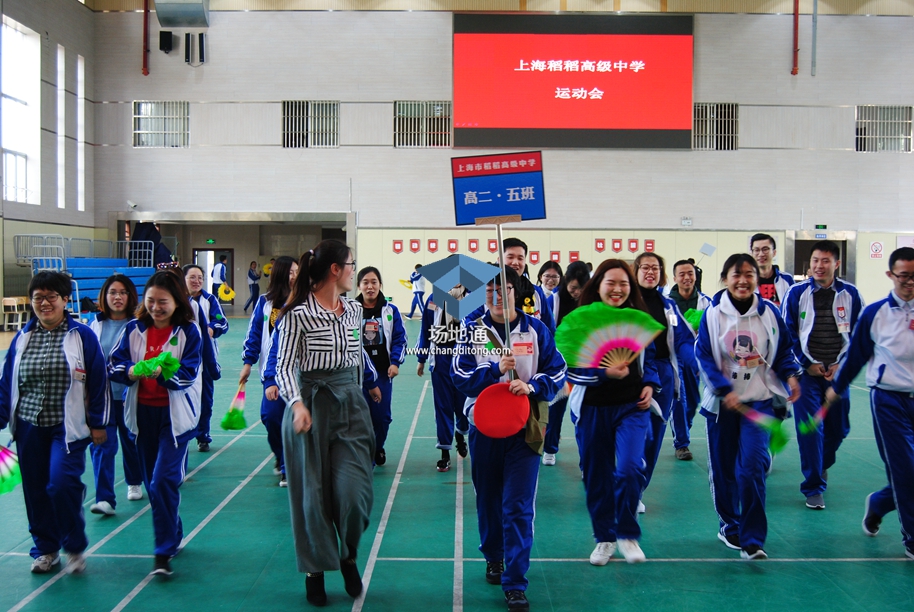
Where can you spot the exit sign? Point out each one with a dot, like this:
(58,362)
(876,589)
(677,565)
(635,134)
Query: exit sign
(210,241)
(821,226)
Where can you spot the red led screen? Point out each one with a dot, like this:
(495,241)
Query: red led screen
(559,81)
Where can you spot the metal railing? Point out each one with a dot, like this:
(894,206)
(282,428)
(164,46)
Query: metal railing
(25,243)
(28,247)
(138,253)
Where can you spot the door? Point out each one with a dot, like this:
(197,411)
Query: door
(207,259)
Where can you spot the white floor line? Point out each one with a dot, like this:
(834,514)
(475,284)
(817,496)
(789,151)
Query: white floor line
(684,560)
(31,596)
(458,538)
(385,516)
(189,537)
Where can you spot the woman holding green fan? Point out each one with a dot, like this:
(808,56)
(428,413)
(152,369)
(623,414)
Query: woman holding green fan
(611,404)
(745,357)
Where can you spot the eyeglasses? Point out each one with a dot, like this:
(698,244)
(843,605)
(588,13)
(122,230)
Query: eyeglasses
(551,276)
(350,263)
(646,268)
(904,279)
(118,294)
(760,251)
(51,298)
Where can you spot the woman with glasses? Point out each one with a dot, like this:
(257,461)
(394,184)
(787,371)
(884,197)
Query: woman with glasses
(211,323)
(745,356)
(257,347)
(161,413)
(117,302)
(549,277)
(53,396)
(674,349)
(328,439)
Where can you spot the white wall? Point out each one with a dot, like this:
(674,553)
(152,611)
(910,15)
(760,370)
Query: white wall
(800,166)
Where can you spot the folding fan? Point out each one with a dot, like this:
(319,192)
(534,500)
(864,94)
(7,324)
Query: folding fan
(812,423)
(601,336)
(693,317)
(10,475)
(773,425)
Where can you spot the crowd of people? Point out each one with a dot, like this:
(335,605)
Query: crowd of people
(327,365)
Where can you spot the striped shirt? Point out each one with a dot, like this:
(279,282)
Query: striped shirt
(313,338)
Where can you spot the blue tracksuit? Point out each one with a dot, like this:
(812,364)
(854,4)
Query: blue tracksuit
(395,341)
(750,354)
(689,393)
(258,346)
(448,400)
(505,470)
(161,433)
(52,459)
(418,291)
(817,450)
(884,341)
(611,440)
(209,316)
(680,341)
(543,310)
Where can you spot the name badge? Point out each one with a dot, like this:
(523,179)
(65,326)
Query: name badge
(673,319)
(522,348)
(79,375)
(844,328)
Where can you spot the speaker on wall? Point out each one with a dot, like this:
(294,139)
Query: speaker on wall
(188,42)
(166,41)
(202,44)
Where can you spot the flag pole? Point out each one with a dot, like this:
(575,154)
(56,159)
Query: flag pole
(498,221)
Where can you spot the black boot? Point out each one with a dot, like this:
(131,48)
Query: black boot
(314,589)
(351,577)
(461,444)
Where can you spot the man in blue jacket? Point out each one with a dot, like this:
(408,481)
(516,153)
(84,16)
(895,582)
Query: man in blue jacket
(820,314)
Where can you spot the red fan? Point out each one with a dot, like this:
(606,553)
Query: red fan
(499,413)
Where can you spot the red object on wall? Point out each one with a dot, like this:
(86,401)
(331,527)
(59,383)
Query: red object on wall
(633,245)
(398,246)
(649,246)
(599,245)
(415,245)
(573,256)
(432,245)
(617,245)
(452,246)
(493,246)
(555,256)
(473,245)
(534,257)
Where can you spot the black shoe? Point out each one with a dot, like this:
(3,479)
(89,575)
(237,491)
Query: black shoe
(203,447)
(494,570)
(314,589)
(380,457)
(162,566)
(517,600)
(461,445)
(351,577)
(444,464)
(753,552)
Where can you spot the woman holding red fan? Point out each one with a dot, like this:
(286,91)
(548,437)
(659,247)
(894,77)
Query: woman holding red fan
(745,356)
(612,405)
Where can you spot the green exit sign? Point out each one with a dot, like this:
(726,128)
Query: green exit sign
(821,226)
(210,241)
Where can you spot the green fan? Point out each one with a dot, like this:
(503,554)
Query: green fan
(601,336)
(10,475)
(693,317)
(165,360)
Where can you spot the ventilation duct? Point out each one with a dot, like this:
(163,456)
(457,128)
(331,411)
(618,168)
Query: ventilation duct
(183,13)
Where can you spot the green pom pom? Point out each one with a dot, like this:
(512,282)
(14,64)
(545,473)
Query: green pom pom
(693,317)
(234,420)
(779,437)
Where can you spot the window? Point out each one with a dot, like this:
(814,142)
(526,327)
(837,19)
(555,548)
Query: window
(20,109)
(883,128)
(161,124)
(61,128)
(15,188)
(311,124)
(422,124)
(715,126)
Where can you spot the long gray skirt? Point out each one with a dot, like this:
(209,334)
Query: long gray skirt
(329,470)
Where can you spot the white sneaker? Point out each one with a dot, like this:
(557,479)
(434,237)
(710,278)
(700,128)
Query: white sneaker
(641,507)
(602,553)
(76,562)
(102,507)
(548,458)
(44,563)
(631,551)
(134,492)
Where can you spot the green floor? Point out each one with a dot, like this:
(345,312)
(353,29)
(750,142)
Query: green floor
(420,552)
